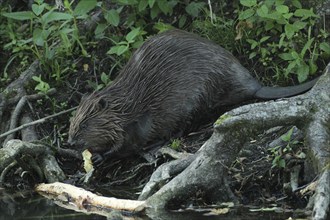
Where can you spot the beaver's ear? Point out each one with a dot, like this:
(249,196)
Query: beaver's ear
(103,103)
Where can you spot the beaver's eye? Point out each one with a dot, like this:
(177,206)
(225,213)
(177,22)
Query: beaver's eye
(83,126)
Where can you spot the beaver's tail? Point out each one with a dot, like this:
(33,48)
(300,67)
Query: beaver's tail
(283,92)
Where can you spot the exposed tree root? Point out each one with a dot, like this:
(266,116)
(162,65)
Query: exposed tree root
(203,174)
(310,112)
(15,149)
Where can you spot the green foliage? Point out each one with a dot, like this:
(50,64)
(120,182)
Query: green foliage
(221,30)
(105,80)
(133,40)
(41,87)
(280,34)
(138,14)
(175,144)
(279,152)
(52,36)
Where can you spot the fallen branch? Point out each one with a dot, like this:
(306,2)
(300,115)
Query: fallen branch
(39,121)
(85,201)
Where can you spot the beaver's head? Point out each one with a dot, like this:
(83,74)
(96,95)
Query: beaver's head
(95,126)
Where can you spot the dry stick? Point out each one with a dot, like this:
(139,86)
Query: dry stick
(19,108)
(32,97)
(39,121)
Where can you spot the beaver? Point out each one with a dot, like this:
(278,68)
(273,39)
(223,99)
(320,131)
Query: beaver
(173,84)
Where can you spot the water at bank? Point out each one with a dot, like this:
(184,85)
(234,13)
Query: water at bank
(29,205)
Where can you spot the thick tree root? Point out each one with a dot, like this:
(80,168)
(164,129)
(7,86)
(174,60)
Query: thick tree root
(164,173)
(310,112)
(14,149)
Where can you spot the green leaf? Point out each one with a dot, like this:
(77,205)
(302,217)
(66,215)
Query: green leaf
(269,25)
(127,2)
(151,3)
(37,78)
(253,43)
(84,6)
(112,17)
(137,44)
(277,2)
(281,163)
(55,16)
(288,15)
(312,67)
(121,50)
(289,30)
(142,5)
(295,55)
(276,16)
(281,42)
(38,9)
(65,40)
(132,35)
(306,47)
(283,9)
(38,37)
(154,12)
(263,39)
(161,27)
(99,30)
(253,54)
(290,67)
(303,72)
(248,3)
(299,24)
(113,50)
(165,7)
(21,15)
(182,21)
(287,136)
(194,8)
(296,3)
(104,78)
(246,14)
(41,86)
(262,11)
(325,47)
(286,56)
(306,13)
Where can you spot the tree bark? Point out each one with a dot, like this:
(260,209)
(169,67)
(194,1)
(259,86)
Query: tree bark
(207,172)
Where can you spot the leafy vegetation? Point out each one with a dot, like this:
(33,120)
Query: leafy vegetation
(83,44)
(282,37)
(291,150)
(175,144)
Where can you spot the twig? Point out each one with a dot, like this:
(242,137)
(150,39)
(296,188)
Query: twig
(39,121)
(19,108)
(32,97)
(211,13)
